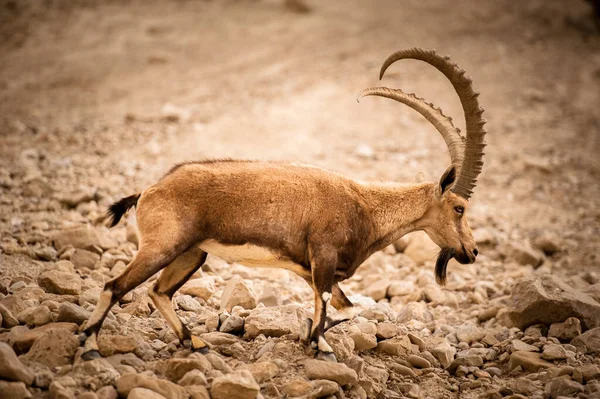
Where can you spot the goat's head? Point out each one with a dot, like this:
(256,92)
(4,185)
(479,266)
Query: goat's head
(445,221)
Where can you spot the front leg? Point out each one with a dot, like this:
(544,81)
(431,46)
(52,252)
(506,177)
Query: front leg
(323,265)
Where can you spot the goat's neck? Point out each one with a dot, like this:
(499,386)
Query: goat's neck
(397,209)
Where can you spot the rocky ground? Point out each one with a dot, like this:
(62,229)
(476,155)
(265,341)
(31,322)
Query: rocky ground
(97,101)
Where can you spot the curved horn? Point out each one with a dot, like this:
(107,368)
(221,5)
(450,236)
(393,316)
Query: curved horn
(434,115)
(473,153)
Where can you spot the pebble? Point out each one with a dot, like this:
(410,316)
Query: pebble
(53,348)
(71,313)
(233,325)
(59,282)
(199,287)
(563,386)
(13,390)
(323,370)
(468,332)
(127,382)
(418,362)
(237,385)
(565,331)
(554,352)
(237,293)
(11,367)
(262,371)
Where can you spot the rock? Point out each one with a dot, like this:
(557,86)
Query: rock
(108,392)
(59,391)
(262,371)
(296,388)
(237,385)
(341,343)
(566,330)
(418,362)
(386,330)
(467,361)
(188,303)
(84,237)
(414,311)
(127,382)
(441,349)
(144,393)
(35,316)
(397,346)
(529,361)
(518,345)
(8,319)
(23,340)
(377,290)
(62,283)
(219,338)
(468,332)
(98,372)
(110,345)
(323,370)
(588,342)
(493,371)
(197,392)
(13,390)
(11,368)
(547,299)
(90,296)
(403,370)
(82,258)
(363,341)
(554,352)
(193,377)
(233,325)
(590,372)
(548,243)
(563,386)
(54,348)
(323,388)
(71,313)
(199,287)
(523,254)
(401,288)
(237,293)
(270,297)
(275,321)
(174,369)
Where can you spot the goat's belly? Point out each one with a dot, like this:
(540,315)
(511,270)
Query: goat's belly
(249,255)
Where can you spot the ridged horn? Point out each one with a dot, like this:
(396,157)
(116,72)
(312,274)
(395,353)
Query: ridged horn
(442,123)
(473,150)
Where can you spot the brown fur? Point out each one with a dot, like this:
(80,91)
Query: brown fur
(323,222)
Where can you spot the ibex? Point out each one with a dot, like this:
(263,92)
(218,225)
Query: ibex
(318,224)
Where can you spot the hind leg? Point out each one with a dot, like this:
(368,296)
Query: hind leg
(170,280)
(145,263)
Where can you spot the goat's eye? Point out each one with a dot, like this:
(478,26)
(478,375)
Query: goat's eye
(459,209)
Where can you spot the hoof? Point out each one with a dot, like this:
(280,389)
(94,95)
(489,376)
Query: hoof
(198,345)
(305,331)
(327,356)
(91,355)
(204,350)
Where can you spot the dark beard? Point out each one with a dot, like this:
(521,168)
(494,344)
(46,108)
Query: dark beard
(442,263)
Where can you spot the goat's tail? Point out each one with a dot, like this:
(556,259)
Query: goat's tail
(118,209)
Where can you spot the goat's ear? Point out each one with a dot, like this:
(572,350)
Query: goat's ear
(446,181)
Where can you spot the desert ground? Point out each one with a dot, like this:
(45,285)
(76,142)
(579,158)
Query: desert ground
(98,100)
